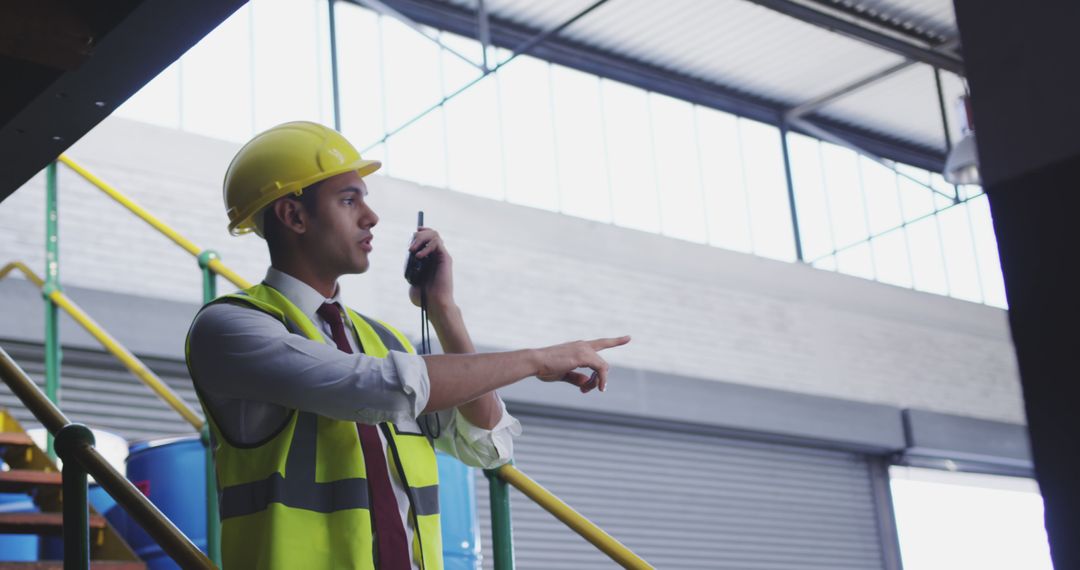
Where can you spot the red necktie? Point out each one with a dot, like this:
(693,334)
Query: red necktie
(392,548)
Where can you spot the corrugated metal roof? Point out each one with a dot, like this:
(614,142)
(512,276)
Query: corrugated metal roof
(923,16)
(744,47)
(734,43)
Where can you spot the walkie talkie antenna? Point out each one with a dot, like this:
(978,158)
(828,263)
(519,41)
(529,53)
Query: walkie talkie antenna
(425,331)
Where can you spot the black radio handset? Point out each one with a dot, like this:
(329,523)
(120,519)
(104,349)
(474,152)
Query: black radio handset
(419,272)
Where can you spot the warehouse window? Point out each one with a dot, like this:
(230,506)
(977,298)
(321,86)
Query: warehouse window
(547,136)
(905,227)
(963,520)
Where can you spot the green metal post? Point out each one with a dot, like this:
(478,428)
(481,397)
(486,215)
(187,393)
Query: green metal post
(209,278)
(502,532)
(52,283)
(76,509)
(213,520)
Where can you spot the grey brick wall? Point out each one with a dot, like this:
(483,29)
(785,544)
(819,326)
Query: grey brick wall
(526,277)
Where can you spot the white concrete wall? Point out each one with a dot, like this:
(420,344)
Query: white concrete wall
(527,277)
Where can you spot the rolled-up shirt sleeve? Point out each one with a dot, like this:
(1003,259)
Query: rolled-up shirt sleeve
(237,352)
(476,446)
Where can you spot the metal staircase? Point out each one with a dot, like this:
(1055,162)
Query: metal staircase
(28,469)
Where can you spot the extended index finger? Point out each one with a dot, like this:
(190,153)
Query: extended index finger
(605,343)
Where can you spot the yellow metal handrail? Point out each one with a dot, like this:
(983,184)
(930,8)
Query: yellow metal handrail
(129,360)
(214,264)
(571,518)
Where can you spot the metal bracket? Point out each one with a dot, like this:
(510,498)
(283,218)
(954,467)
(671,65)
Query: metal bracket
(70,437)
(205,257)
(49,288)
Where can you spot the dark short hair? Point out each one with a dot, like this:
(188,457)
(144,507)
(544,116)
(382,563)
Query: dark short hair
(272,225)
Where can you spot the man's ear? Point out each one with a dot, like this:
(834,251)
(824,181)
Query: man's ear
(291,215)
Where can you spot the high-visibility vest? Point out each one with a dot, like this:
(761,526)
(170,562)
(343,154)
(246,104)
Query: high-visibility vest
(300,498)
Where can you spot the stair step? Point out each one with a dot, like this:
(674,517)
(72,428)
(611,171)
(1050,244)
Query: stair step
(59,565)
(40,523)
(18,480)
(15,438)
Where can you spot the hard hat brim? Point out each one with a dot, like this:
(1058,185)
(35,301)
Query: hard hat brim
(244,223)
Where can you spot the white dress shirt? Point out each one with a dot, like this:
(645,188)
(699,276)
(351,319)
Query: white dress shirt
(251,372)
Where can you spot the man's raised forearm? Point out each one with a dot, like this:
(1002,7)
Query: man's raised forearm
(457,379)
(484,411)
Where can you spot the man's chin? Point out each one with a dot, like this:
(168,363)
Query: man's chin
(361,267)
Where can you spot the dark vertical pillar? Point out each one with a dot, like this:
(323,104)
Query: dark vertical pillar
(1021,61)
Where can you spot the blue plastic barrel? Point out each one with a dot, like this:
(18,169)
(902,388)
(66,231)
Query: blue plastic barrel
(18,547)
(171,472)
(457,505)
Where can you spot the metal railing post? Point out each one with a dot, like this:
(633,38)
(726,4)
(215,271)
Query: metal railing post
(209,277)
(502,532)
(52,282)
(213,520)
(76,509)
(588,530)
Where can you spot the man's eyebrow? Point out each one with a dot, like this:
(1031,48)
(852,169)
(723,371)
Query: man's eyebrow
(353,189)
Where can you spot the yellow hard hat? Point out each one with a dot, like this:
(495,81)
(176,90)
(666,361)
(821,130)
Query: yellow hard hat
(283,160)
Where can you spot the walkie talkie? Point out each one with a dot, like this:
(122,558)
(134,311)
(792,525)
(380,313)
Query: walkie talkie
(419,272)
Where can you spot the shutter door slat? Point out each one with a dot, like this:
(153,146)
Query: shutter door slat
(689,500)
(99,392)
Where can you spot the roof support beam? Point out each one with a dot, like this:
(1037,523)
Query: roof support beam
(389,12)
(822,100)
(562,51)
(525,47)
(483,31)
(864,34)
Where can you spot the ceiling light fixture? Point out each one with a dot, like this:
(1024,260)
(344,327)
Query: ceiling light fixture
(962,164)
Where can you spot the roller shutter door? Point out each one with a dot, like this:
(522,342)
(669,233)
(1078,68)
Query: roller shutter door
(684,500)
(98,391)
(680,500)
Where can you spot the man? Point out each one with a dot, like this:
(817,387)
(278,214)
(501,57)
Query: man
(324,420)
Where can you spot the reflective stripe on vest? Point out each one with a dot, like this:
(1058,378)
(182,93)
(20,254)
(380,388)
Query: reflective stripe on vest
(313,467)
(301,491)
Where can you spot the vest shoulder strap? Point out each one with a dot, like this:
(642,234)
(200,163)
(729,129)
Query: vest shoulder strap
(269,300)
(390,337)
(243,298)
